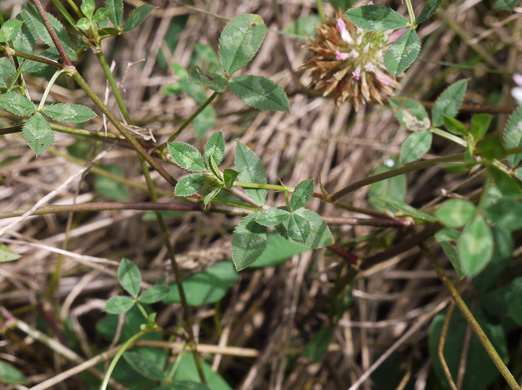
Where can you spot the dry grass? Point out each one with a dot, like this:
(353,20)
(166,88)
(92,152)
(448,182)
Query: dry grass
(270,313)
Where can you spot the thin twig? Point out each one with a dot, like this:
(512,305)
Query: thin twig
(442,341)
(484,340)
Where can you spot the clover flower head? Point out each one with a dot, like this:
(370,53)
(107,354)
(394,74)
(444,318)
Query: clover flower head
(347,62)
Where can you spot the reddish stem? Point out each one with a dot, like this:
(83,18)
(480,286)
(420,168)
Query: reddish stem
(52,33)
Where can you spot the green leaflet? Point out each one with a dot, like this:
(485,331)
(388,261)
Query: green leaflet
(449,102)
(260,92)
(186,156)
(189,185)
(272,217)
(455,213)
(320,235)
(9,30)
(506,5)
(17,104)
(206,287)
(11,375)
(213,81)
(429,10)
(416,146)
(240,40)
(513,135)
(115,8)
(7,254)
(118,305)
(248,242)
(230,176)
(137,17)
(129,277)
(475,246)
(38,134)
(154,294)
(376,18)
(455,126)
(297,228)
(402,52)
(69,113)
(215,147)
(480,125)
(302,194)
(88,8)
(143,365)
(251,171)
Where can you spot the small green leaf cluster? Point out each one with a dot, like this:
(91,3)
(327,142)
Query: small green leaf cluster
(207,173)
(471,249)
(239,42)
(250,238)
(115,14)
(413,116)
(129,277)
(36,130)
(406,48)
(293,222)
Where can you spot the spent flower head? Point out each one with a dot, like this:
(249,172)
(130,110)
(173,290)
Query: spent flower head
(347,62)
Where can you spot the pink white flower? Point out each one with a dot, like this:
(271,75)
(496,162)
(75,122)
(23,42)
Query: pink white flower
(517,91)
(345,34)
(357,73)
(341,56)
(396,35)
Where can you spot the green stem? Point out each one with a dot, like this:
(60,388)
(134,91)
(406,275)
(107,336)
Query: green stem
(189,120)
(43,60)
(263,186)
(120,353)
(177,272)
(98,102)
(76,9)
(490,349)
(48,89)
(114,86)
(411,13)
(412,167)
(451,137)
(103,206)
(320,10)
(98,135)
(67,15)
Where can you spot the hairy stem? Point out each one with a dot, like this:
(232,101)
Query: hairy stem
(52,33)
(43,60)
